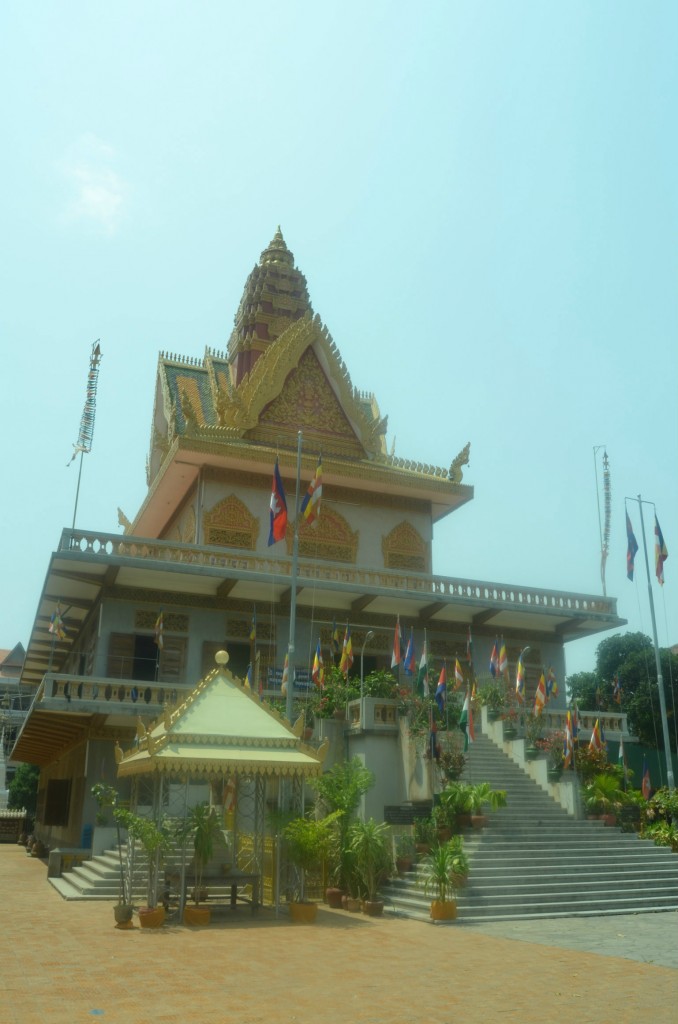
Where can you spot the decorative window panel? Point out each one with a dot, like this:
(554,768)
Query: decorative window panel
(405,548)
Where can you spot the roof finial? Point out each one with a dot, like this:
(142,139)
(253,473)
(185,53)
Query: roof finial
(276,251)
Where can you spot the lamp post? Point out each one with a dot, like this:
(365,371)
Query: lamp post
(368,637)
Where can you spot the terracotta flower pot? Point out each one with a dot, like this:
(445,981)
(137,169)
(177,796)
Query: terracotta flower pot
(373,908)
(197,915)
(354,904)
(151,917)
(443,910)
(122,912)
(334,897)
(303,913)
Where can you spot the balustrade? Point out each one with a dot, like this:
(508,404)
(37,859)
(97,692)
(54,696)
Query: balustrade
(107,693)
(126,546)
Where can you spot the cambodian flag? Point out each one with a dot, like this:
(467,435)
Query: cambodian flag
(278,508)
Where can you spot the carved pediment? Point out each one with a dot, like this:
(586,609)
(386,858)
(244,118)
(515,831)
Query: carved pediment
(405,548)
(231,524)
(330,537)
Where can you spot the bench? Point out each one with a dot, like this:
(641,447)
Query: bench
(224,889)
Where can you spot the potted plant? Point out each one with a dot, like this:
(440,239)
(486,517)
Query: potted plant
(404,853)
(340,789)
(533,728)
(510,720)
(425,834)
(603,797)
(554,747)
(482,795)
(107,796)
(308,842)
(444,870)
(370,843)
(154,841)
(202,825)
(493,697)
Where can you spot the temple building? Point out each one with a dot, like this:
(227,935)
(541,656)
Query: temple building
(143,612)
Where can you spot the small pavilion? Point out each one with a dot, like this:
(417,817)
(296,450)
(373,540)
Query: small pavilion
(225,745)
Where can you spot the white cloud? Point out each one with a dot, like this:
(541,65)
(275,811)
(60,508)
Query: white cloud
(98,191)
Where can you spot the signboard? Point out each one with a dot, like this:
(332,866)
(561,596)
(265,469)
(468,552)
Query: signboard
(302,679)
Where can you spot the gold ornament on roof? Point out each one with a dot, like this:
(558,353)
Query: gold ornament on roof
(462,459)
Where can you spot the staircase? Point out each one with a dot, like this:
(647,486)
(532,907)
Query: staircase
(99,878)
(533,860)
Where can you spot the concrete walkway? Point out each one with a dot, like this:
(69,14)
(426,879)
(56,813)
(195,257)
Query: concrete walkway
(65,963)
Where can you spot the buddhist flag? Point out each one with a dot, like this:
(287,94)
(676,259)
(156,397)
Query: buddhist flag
(520,678)
(409,663)
(56,625)
(616,689)
(596,742)
(159,630)
(285,676)
(278,509)
(631,548)
(503,660)
(575,722)
(660,552)
(346,652)
(540,696)
(568,745)
(551,684)
(395,656)
(335,637)
(466,723)
(458,674)
(494,661)
(310,506)
(441,689)
(422,678)
(249,675)
(646,785)
(318,670)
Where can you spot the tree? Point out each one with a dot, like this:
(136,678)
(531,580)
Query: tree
(630,657)
(23,789)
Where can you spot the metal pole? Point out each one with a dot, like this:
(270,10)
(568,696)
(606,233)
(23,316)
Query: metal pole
(77,490)
(660,679)
(368,637)
(293,598)
(596,449)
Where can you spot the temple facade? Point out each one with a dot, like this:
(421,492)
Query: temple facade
(143,612)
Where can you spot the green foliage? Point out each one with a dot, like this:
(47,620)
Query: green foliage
(425,831)
(590,763)
(631,657)
(663,805)
(603,794)
(380,683)
(662,833)
(493,696)
(107,798)
(23,789)
(340,789)
(369,842)
(466,798)
(452,764)
(154,840)
(202,825)
(335,694)
(445,869)
(308,843)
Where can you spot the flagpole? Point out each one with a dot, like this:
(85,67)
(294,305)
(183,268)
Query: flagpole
(660,679)
(293,598)
(77,490)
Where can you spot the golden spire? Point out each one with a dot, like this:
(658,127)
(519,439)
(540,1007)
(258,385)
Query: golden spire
(275,295)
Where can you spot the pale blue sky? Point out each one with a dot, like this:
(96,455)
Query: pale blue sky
(483,197)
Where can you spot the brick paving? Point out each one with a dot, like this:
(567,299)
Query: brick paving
(65,963)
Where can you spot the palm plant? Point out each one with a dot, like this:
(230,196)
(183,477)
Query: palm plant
(203,826)
(370,845)
(445,869)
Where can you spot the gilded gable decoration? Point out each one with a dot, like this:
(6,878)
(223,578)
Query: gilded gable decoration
(462,459)
(330,538)
(405,548)
(230,524)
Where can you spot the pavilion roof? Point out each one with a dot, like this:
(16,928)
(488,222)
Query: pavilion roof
(221,728)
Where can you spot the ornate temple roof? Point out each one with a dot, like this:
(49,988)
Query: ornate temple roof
(222,728)
(282,374)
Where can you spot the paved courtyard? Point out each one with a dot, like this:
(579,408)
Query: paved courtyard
(65,963)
